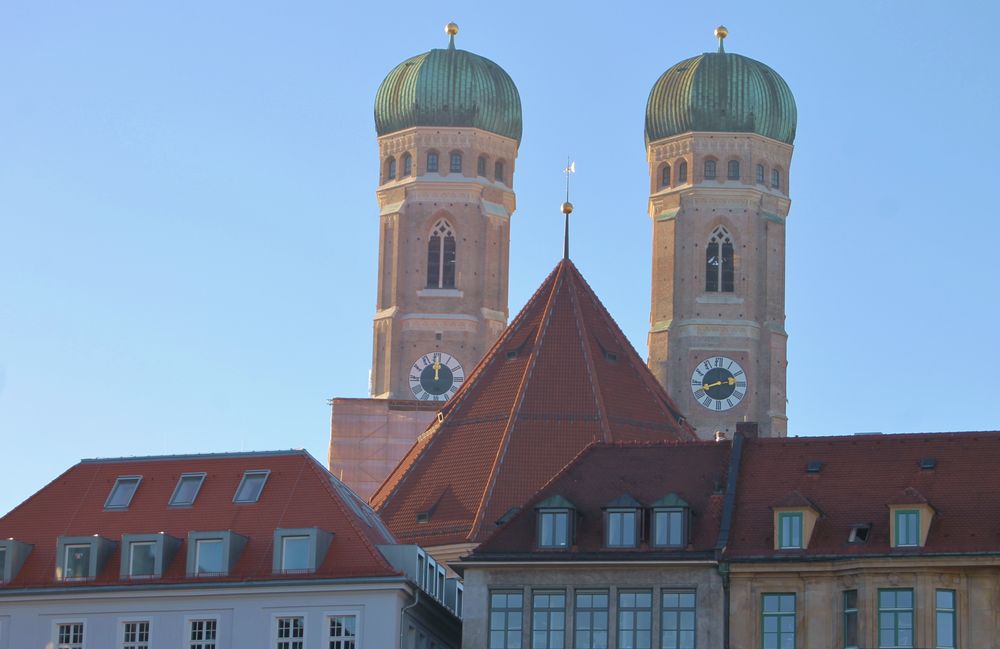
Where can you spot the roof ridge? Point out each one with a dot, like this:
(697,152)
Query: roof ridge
(588,358)
(191,456)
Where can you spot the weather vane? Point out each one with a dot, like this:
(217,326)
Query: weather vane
(567,207)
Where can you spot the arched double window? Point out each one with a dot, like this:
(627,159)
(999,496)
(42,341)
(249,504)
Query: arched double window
(441,256)
(665,176)
(719,271)
(733,170)
(760,174)
(481,166)
(682,172)
(710,170)
(432,161)
(390,169)
(498,171)
(456,162)
(407,165)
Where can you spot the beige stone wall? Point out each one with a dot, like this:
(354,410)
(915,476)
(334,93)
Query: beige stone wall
(688,324)
(819,591)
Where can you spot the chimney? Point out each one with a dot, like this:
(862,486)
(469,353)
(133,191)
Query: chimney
(747,429)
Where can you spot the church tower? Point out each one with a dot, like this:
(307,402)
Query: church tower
(719,133)
(449,125)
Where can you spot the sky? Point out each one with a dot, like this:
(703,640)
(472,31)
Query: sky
(188,224)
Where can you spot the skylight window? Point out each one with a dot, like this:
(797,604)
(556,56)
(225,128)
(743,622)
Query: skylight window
(250,486)
(187,489)
(121,494)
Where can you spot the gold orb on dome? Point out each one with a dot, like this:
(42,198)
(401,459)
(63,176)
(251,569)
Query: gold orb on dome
(721,32)
(567,207)
(451,29)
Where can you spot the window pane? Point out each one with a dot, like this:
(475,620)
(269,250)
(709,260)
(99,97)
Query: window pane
(498,172)
(456,162)
(728,274)
(186,490)
(77,562)
(3,562)
(712,263)
(295,553)
(250,487)
(432,162)
(209,556)
(682,172)
(734,170)
(121,494)
(143,562)
(448,267)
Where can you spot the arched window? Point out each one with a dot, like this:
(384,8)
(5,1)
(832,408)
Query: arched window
(441,256)
(390,169)
(776,178)
(710,170)
(719,269)
(456,162)
(733,169)
(432,161)
(407,164)
(481,166)
(760,174)
(682,172)
(665,176)
(498,171)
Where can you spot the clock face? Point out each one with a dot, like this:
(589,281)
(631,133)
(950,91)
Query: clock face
(436,377)
(719,383)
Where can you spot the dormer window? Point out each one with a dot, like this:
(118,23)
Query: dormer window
(250,486)
(299,550)
(909,519)
(790,530)
(795,518)
(12,556)
(907,528)
(622,522)
(145,556)
(555,519)
(121,494)
(670,519)
(81,558)
(211,554)
(187,489)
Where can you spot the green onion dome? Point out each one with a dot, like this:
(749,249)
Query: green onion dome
(722,92)
(449,87)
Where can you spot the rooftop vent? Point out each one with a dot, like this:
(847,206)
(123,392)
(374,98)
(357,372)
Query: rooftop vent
(508,515)
(611,356)
(859,533)
(928,463)
(423,517)
(814,467)
(512,354)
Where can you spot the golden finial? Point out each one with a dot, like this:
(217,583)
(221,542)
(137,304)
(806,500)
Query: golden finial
(567,208)
(451,29)
(721,32)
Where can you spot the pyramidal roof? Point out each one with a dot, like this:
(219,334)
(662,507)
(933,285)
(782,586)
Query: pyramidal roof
(561,377)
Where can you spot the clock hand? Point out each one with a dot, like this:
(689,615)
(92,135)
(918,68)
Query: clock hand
(437,368)
(730,381)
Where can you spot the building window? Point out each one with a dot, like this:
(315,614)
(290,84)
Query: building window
(481,166)
(121,494)
(907,527)
(390,169)
(432,161)
(202,634)
(142,559)
(548,620)
(77,562)
(895,617)
(760,174)
(944,619)
(135,635)
(719,265)
(635,618)
(591,615)
(343,632)
(250,486)
(778,621)
(407,164)
(505,619)
(677,623)
(498,174)
(3,564)
(441,256)
(682,172)
(553,528)
(668,528)
(776,178)
(187,489)
(710,170)
(622,528)
(290,633)
(456,163)
(665,176)
(733,170)
(69,636)
(295,552)
(850,619)
(789,530)
(208,557)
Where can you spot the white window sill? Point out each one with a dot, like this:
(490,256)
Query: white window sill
(439,292)
(718,298)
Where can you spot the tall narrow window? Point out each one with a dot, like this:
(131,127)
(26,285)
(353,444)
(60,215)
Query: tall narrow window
(719,270)
(789,530)
(498,174)
(481,166)
(553,528)
(682,172)
(135,635)
(895,617)
(548,620)
(710,170)
(505,619)
(390,169)
(778,620)
(590,630)
(343,632)
(456,163)
(432,161)
(621,528)
(441,256)
(944,619)
(668,528)
(635,618)
(760,174)
(407,164)
(776,178)
(69,636)
(733,170)
(290,633)
(907,527)
(850,619)
(202,634)
(665,176)
(677,624)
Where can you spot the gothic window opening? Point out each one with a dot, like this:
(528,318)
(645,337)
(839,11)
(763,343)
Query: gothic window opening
(498,171)
(665,176)
(390,169)
(682,172)
(432,161)
(760,174)
(719,271)
(733,170)
(407,165)
(710,170)
(481,166)
(456,163)
(776,178)
(441,256)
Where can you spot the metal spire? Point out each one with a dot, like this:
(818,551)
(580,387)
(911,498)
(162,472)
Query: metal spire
(567,207)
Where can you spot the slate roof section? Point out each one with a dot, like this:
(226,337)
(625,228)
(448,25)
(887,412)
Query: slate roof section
(561,377)
(862,476)
(695,471)
(299,493)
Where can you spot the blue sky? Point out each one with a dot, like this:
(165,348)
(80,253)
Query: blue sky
(188,226)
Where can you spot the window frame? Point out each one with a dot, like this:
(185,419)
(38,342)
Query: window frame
(682,172)
(131,558)
(950,613)
(591,610)
(731,166)
(793,519)
(251,473)
(173,502)
(201,543)
(543,514)
(433,162)
(775,178)
(678,610)
(202,643)
(481,166)
(896,611)
(444,255)
(90,561)
(710,163)
(546,613)
(455,162)
(760,176)
(779,615)
(847,613)
(407,167)
(277,642)
(3,563)
(499,173)
(82,622)
(720,242)
(636,610)
(682,513)
(506,610)
(124,643)
(898,516)
(665,176)
(120,481)
(613,513)
(344,642)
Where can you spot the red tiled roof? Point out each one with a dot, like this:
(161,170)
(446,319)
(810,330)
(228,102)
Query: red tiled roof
(695,471)
(560,377)
(299,493)
(861,476)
